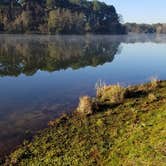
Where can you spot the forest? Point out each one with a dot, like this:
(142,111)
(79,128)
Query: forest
(59,17)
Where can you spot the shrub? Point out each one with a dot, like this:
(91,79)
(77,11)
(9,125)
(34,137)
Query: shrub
(114,94)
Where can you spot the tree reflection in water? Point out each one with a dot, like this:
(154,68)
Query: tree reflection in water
(28,55)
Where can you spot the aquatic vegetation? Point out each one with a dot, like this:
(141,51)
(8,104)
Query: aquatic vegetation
(131,133)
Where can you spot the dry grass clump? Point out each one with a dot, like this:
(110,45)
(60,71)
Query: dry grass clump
(85,106)
(152,97)
(100,88)
(154,83)
(113,94)
(141,87)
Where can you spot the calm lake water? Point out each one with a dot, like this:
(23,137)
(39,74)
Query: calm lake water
(42,77)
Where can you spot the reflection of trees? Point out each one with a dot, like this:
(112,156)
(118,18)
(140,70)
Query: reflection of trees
(28,56)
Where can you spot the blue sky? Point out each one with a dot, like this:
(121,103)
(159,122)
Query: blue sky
(141,11)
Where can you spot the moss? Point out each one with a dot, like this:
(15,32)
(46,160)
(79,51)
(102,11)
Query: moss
(130,133)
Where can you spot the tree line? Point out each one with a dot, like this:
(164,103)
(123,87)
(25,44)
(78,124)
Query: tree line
(146,28)
(59,17)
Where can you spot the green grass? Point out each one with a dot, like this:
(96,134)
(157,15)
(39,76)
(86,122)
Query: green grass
(132,133)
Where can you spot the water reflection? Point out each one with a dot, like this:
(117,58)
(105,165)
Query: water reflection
(27,56)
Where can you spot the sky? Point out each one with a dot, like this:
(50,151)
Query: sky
(140,11)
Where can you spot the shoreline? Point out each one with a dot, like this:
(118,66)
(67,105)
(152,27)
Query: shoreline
(114,106)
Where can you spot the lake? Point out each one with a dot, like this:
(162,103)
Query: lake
(42,77)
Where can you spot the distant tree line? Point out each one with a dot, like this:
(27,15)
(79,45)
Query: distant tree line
(146,28)
(59,17)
